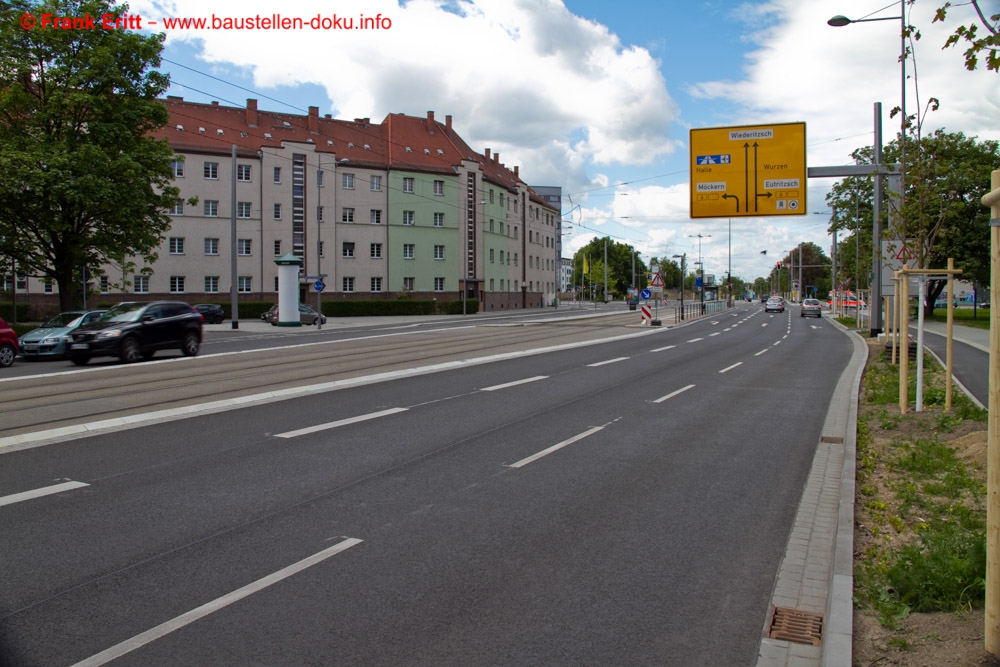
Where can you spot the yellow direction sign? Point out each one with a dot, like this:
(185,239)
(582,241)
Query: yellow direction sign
(748,171)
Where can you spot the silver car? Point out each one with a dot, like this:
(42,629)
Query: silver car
(50,340)
(811,308)
(775,303)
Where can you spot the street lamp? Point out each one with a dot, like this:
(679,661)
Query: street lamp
(701,267)
(682,258)
(876,285)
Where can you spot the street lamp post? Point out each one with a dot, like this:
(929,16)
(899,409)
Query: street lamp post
(701,267)
(682,258)
(875,317)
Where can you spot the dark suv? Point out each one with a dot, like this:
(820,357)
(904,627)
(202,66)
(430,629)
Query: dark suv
(135,330)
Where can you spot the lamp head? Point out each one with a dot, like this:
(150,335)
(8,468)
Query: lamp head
(839,21)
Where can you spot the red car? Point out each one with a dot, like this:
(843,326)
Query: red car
(8,344)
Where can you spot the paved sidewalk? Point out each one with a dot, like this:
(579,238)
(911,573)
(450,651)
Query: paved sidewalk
(813,592)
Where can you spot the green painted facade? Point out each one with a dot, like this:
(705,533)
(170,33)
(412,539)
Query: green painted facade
(424,235)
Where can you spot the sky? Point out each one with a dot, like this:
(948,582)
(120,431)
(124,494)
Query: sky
(598,97)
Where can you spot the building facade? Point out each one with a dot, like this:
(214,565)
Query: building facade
(383,210)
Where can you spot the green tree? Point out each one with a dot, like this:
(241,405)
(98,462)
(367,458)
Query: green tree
(619,266)
(946,175)
(82,182)
(988,45)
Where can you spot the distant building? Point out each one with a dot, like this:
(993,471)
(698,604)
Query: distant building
(404,206)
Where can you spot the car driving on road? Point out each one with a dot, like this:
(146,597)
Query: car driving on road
(811,308)
(51,340)
(776,304)
(307,315)
(135,330)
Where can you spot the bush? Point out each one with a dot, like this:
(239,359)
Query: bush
(7,311)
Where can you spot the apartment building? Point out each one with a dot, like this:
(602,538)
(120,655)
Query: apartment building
(401,207)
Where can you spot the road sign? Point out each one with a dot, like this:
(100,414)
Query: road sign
(645,294)
(748,171)
(647,314)
(318,286)
(657,281)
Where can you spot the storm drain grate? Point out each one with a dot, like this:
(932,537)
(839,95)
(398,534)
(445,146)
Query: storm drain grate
(792,625)
(832,439)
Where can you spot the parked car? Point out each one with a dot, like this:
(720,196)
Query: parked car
(212,312)
(51,340)
(8,344)
(307,315)
(811,308)
(135,330)
(775,303)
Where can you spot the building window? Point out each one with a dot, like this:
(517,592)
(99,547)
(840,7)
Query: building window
(491,195)
(347,284)
(439,187)
(376,251)
(277,174)
(243,209)
(348,250)
(176,284)
(408,217)
(407,184)
(141,284)
(501,256)
(321,245)
(277,248)
(376,183)
(211,208)
(491,255)
(408,284)
(347,181)
(407,251)
(178,207)
(439,252)
(276,283)
(319,178)
(319,214)
(244,284)
(211,246)
(439,219)
(212,170)
(277,211)
(243,247)
(347,215)
(376,216)
(211,284)
(439,284)
(376,284)
(176,245)
(104,285)
(491,284)
(515,259)
(177,168)
(243,173)
(47,286)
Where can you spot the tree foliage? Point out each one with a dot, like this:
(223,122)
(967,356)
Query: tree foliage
(987,45)
(941,216)
(82,183)
(619,266)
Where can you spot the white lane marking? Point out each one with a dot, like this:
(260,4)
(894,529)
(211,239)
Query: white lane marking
(714,334)
(555,447)
(764,324)
(609,361)
(695,340)
(673,393)
(661,349)
(215,605)
(777,342)
(761,352)
(515,383)
(339,422)
(40,493)
(729,368)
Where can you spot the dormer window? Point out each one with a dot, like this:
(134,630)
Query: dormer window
(427,151)
(367,147)
(440,152)
(350,144)
(267,135)
(219,131)
(180,128)
(202,130)
(329,142)
(409,150)
(286,123)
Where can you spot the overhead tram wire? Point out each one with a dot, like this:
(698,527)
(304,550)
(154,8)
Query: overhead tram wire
(229,83)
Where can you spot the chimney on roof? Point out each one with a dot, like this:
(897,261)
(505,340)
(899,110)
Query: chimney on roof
(515,172)
(496,158)
(430,122)
(251,112)
(328,116)
(176,98)
(215,103)
(487,154)
(313,120)
(447,121)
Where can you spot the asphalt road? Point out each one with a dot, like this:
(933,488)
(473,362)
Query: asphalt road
(626,502)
